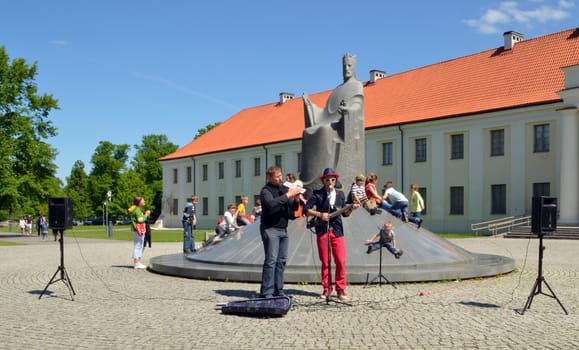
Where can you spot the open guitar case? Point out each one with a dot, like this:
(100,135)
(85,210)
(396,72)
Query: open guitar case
(261,307)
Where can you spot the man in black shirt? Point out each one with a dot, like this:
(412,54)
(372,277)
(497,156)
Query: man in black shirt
(277,203)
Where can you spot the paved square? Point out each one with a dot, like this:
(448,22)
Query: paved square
(117,307)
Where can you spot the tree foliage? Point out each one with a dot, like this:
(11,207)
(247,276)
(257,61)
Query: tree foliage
(27,169)
(146,163)
(110,172)
(108,165)
(77,189)
(205,129)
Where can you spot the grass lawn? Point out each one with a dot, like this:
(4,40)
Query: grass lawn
(120,232)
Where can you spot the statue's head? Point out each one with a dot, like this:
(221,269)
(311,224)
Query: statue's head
(349,66)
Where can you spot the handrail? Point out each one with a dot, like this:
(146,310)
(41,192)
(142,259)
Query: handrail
(485,224)
(498,225)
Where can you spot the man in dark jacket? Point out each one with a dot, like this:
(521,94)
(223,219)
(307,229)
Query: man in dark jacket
(277,203)
(327,202)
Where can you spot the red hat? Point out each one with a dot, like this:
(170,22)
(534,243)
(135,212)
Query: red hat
(329,172)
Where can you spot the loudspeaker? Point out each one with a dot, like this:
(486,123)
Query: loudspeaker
(544,215)
(60,213)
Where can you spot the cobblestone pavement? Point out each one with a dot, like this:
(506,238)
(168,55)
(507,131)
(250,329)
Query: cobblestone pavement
(116,307)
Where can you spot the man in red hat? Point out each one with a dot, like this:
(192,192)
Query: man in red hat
(324,204)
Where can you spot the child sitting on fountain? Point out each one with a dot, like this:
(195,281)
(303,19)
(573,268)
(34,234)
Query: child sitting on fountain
(387,238)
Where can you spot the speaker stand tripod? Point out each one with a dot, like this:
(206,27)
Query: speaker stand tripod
(380,275)
(540,279)
(63,274)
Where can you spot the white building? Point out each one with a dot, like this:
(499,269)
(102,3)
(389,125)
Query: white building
(481,135)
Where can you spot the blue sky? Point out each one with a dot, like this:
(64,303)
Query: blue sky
(124,69)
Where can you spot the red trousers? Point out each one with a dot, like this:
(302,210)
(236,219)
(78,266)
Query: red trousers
(338,247)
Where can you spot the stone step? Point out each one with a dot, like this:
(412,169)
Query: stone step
(563,232)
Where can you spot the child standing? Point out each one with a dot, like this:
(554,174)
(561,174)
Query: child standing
(416,204)
(387,239)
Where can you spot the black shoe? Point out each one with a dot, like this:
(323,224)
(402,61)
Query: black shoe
(419,223)
(399,254)
(369,250)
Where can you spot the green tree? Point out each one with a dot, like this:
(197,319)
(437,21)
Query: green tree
(77,189)
(130,184)
(146,160)
(27,169)
(205,130)
(146,164)
(109,163)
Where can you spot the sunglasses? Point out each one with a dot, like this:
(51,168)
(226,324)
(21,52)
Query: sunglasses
(328,179)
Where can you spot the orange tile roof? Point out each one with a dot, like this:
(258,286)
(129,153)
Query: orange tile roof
(496,79)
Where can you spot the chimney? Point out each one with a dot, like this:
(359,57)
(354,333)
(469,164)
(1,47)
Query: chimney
(284,97)
(376,74)
(511,38)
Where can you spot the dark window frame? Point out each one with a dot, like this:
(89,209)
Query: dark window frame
(420,150)
(499,199)
(541,138)
(387,153)
(456,200)
(497,142)
(221,170)
(457,146)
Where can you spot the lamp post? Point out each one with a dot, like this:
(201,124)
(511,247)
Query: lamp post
(109,226)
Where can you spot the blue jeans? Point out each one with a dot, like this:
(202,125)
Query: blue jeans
(275,245)
(139,245)
(415,217)
(188,239)
(403,207)
(390,208)
(376,245)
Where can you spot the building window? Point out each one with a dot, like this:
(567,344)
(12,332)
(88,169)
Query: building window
(205,202)
(220,170)
(175,175)
(498,199)
(256,166)
(497,143)
(255,198)
(420,152)
(299,162)
(237,200)
(457,146)
(189,172)
(277,160)
(541,189)
(424,193)
(205,172)
(175,209)
(457,200)
(238,168)
(542,138)
(221,205)
(387,153)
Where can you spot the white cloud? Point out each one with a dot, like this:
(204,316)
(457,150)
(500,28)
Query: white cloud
(62,43)
(175,86)
(566,4)
(510,12)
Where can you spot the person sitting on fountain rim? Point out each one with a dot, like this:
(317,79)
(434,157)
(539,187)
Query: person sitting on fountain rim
(387,239)
(398,201)
(327,200)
